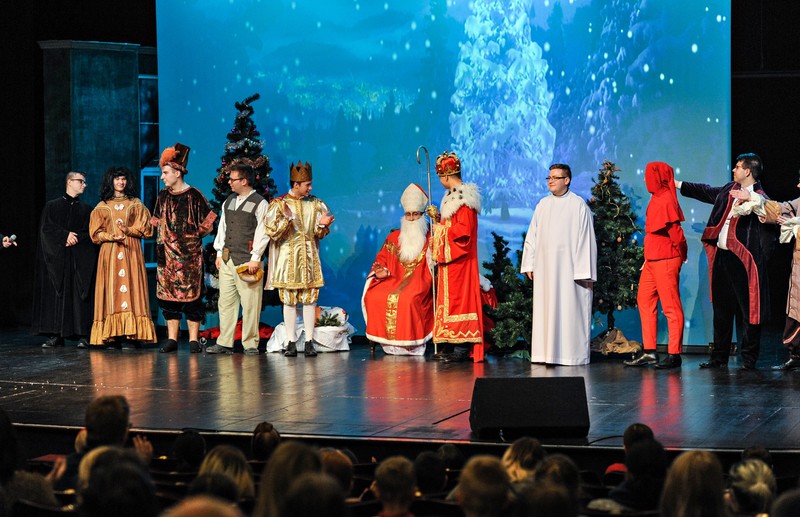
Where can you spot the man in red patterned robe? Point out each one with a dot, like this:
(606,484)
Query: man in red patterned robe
(459,315)
(398,301)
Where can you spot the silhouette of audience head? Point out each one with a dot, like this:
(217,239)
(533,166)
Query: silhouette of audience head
(119,485)
(9,449)
(431,472)
(757,452)
(107,421)
(229,460)
(287,463)
(189,449)
(546,499)
(265,439)
(395,484)
(752,487)
(202,506)
(215,484)
(314,494)
(560,470)
(338,465)
(483,488)
(636,432)
(694,481)
(452,456)
(521,458)
(787,504)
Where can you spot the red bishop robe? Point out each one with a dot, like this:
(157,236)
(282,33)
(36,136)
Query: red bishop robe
(459,313)
(398,309)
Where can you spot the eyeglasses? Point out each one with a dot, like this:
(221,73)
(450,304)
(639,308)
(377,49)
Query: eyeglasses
(231,180)
(413,214)
(76,179)
(554,178)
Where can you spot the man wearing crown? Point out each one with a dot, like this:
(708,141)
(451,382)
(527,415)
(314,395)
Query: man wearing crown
(295,223)
(183,217)
(398,300)
(459,314)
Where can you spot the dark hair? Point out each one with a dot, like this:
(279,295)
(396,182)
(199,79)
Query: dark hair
(215,484)
(560,469)
(636,432)
(121,487)
(395,481)
(452,456)
(338,465)
(430,471)
(107,421)
(757,452)
(265,439)
(288,462)
(9,451)
(546,500)
(189,449)
(526,452)
(246,172)
(107,185)
(753,162)
(564,167)
(314,494)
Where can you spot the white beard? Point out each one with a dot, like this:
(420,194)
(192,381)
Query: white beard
(413,236)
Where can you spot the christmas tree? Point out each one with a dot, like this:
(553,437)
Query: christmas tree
(619,255)
(245,147)
(514,292)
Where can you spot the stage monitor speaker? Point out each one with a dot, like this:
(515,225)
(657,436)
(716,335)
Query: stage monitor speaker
(549,407)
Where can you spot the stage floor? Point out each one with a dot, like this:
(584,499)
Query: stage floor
(359,395)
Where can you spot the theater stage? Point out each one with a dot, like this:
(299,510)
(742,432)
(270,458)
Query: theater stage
(356,395)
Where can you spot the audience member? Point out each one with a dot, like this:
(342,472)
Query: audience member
(120,486)
(545,500)
(287,463)
(215,484)
(757,452)
(633,433)
(202,506)
(561,470)
(16,483)
(431,473)
(265,439)
(189,450)
(521,458)
(314,494)
(646,464)
(87,464)
(337,465)
(787,504)
(452,455)
(752,488)
(395,486)
(484,487)
(227,459)
(693,487)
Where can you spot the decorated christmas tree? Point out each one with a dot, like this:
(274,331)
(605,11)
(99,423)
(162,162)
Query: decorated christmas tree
(619,254)
(244,146)
(513,313)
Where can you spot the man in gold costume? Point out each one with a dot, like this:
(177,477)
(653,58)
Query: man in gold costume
(295,224)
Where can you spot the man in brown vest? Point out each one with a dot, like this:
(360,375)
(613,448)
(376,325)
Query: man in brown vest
(240,243)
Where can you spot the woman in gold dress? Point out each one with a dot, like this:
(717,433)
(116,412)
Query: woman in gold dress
(118,224)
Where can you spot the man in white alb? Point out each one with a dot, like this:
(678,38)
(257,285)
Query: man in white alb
(560,256)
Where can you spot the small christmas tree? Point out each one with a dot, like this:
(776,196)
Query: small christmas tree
(619,255)
(245,147)
(514,292)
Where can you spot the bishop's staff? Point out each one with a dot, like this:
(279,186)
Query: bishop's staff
(429,212)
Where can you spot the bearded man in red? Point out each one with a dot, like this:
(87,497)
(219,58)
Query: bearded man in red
(398,301)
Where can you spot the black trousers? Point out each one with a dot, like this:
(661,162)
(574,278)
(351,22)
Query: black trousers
(730,292)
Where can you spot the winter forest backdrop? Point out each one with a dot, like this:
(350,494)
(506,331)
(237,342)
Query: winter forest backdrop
(356,86)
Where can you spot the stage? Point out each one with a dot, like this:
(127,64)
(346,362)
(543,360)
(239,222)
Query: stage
(358,395)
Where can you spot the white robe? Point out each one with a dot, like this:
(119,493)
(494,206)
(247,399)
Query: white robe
(561,251)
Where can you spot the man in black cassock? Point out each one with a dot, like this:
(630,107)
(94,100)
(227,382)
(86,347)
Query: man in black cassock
(63,279)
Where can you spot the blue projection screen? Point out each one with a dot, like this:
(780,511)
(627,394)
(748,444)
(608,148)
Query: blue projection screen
(356,86)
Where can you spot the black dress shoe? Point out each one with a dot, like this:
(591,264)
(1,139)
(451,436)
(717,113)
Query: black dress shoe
(792,364)
(671,361)
(643,359)
(170,346)
(713,364)
(749,366)
(82,343)
(53,342)
(456,357)
(194,347)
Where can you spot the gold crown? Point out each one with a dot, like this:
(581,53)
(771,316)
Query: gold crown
(448,164)
(300,172)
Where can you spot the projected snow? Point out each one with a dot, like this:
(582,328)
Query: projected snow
(356,86)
